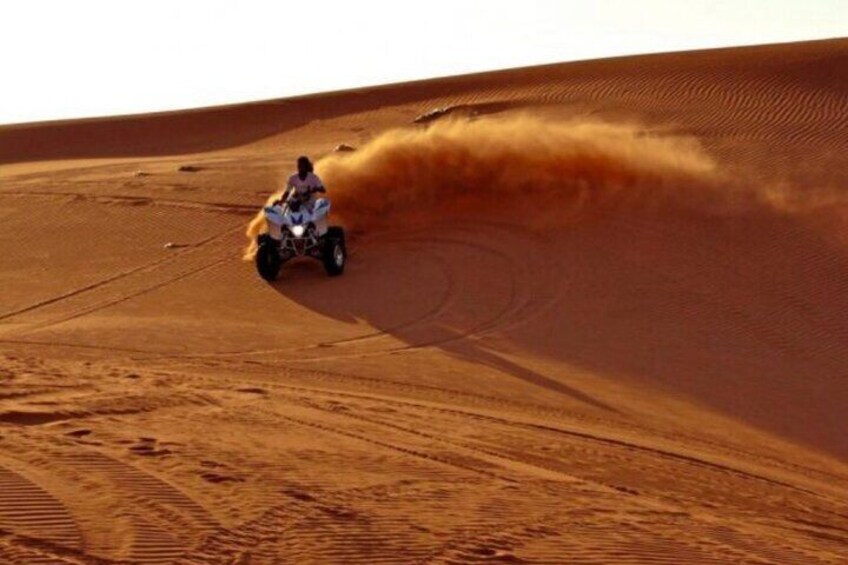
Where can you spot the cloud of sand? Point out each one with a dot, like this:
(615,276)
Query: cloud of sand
(535,171)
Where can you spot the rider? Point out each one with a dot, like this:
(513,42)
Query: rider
(304,183)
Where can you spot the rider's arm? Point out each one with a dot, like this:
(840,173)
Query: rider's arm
(286,190)
(319,185)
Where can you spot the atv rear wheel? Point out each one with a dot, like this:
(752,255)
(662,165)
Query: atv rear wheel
(268,261)
(334,254)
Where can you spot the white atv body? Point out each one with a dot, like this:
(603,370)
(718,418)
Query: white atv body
(300,231)
(280,218)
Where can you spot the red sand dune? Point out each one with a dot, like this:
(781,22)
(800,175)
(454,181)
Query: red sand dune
(595,312)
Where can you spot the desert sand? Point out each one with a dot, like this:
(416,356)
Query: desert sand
(594,312)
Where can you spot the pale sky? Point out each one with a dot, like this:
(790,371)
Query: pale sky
(80,58)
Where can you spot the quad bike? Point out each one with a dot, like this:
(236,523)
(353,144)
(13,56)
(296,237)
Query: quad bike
(298,229)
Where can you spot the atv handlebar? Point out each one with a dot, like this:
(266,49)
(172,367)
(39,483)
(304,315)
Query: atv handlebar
(284,198)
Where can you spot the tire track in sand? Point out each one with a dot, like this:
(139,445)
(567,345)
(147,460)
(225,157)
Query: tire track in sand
(28,509)
(151,267)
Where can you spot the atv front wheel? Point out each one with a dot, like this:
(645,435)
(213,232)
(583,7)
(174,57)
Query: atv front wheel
(268,261)
(334,254)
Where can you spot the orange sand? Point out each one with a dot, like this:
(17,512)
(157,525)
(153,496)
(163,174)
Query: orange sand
(594,313)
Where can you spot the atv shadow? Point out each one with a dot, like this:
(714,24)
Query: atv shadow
(745,316)
(360,296)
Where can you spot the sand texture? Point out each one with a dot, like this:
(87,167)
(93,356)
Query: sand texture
(594,312)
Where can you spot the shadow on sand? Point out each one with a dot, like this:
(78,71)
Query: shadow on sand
(747,316)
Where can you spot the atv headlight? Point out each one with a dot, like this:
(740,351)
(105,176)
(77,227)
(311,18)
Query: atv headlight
(297,231)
